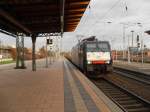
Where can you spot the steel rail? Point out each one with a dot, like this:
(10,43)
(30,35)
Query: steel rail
(141,77)
(111,89)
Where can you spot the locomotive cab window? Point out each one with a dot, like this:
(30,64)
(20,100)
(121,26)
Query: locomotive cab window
(104,47)
(91,46)
(98,47)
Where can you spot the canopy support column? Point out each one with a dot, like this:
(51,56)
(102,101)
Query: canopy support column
(33,53)
(17,52)
(20,51)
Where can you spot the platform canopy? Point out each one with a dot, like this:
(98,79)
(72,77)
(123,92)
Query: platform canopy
(148,32)
(41,16)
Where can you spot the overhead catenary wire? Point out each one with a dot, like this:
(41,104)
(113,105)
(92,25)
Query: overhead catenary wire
(95,16)
(97,19)
(109,10)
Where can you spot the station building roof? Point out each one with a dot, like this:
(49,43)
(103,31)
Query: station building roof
(41,16)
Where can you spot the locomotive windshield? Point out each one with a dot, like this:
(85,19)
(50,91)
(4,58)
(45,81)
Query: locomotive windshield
(104,47)
(95,47)
(91,46)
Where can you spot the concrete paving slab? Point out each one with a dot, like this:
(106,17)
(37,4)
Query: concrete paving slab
(58,88)
(27,91)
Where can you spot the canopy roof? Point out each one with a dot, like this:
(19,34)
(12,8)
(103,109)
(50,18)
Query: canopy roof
(148,32)
(41,16)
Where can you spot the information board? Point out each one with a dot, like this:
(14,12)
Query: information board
(134,50)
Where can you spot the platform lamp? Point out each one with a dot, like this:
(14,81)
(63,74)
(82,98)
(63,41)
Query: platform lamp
(124,37)
(142,44)
(132,36)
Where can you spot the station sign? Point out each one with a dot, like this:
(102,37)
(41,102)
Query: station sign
(49,41)
(134,50)
(50,46)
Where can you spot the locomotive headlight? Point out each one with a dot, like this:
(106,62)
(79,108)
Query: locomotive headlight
(107,62)
(88,62)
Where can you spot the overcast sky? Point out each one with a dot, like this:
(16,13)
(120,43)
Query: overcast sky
(96,18)
(95,22)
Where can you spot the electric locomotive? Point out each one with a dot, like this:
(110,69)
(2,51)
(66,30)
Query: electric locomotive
(92,56)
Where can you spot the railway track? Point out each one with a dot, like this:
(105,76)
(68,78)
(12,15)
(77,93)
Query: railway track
(141,77)
(127,101)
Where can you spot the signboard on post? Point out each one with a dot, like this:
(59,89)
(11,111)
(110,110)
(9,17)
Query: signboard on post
(49,41)
(50,47)
(133,50)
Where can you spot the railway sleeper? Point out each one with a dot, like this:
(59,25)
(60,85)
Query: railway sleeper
(122,98)
(103,85)
(109,87)
(118,94)
(111,91)
(128,102)
(143,109)
(138,105)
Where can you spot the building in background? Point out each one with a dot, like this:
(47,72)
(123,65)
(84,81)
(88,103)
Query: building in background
(136,57)
(5,52)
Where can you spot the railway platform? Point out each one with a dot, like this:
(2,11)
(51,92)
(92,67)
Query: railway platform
(58,88)
(134,66)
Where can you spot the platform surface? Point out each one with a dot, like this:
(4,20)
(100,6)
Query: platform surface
(136,66)
(59,88)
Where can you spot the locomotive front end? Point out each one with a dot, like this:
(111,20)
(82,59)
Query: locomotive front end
(98,57)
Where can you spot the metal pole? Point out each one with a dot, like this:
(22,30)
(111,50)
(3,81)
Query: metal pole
(116,55)
(50,56)
(142,51)
(61,44)
(46,54)
(57,51)
(123,41)
(142,43)
(33,53)
(132,43)
(22,57)
(132,37)
(50,53)
(17,51)
(59,47)
(128,51)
